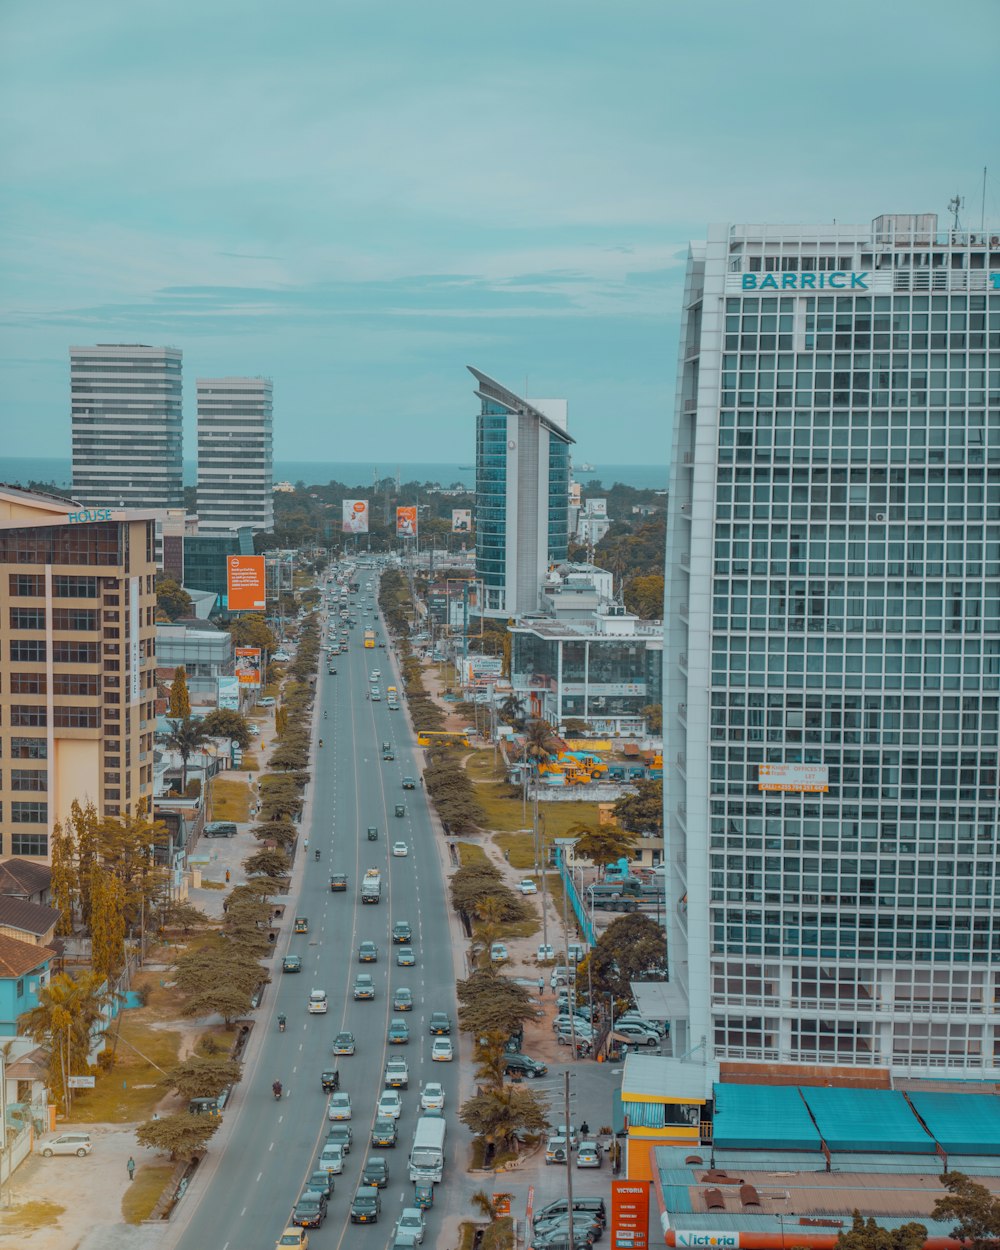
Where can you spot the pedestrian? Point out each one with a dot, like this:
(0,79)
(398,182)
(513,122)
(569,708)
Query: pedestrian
(541,986)
(227,876)
(506,856)
(131,1168)
(584,1129)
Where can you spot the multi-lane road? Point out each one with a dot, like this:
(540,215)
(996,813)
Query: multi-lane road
(272,1147)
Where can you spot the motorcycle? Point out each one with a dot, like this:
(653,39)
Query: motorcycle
(316,854)
(281,1024)
(276,1090)
(321,741)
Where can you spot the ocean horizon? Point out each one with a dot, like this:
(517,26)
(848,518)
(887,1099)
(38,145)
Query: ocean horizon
(20,470)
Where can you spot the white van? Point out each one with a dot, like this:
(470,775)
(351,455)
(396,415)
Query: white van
(65,1144)
(317,1003)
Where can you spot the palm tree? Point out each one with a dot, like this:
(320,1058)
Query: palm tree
(538,735)
(64,1024)
(601,846)
(185,737)
(512,709)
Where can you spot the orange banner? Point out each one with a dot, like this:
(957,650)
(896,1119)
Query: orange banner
(406,522)
(246,587)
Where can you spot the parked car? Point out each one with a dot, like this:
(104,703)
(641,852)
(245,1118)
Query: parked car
(498,953)
(524,1065)
(219,829)
(65,1144)
(636,1034)
(556,1150)
(527,886)
(589,1155)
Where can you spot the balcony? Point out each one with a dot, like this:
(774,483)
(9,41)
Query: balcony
(682,660)
(682,761)
(683,612)
(688,458)
(686,509)
(686,560)
(682,712)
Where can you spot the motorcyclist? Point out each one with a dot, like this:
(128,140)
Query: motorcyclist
(324,715)
(281,1024)
(316,852)
(276,1089)
(321,741)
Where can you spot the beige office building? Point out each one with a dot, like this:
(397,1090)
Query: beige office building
(77,664)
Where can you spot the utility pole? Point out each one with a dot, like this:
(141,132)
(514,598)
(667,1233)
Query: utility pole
(569,1160)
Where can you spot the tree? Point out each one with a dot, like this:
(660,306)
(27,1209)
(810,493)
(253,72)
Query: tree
(107,924)
(642,811)
(225,723)
(492,1004)
(179,914)
(267,863)
(252,631)
(185,737)
(491,1057)
(602,846)
(497,1115)
(83,829)
(228,1001)
(63,879)
(247,923)
(218,963)
(279,797)
(126,847)
(180,1136)
(64,1023)
(512,709)
(473,884)
(198,1077)
(631,946)
(180,700)
(975,1210)
(867,1235)
(653,713)
(644,596)
(172,600)
(539,740)
(282,832)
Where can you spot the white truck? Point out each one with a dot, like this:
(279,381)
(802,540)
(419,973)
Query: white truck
(371,886)
(427,1151)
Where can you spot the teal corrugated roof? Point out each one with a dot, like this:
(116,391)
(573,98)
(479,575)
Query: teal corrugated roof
(677,1198)
(866,1120)
(962,1123)
(771,1117)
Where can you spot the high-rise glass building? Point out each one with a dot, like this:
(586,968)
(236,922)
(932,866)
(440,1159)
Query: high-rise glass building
(126,418)
(832,680)
(235,459)
(522,495)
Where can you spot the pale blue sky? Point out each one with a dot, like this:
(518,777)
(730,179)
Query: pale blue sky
(358,198)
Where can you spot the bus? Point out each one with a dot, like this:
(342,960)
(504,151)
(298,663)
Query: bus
(437,737)
(370,638)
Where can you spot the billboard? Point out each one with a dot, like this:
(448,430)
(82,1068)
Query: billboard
(248,666)
(246,583)
(406,522)
(461,520)
(794,778)
(630,1214)
(227,695)
(355,516)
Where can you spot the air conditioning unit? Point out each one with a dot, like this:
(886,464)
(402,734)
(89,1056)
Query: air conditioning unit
(880,516)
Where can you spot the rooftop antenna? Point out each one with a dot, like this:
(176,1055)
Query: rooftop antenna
(955,206)
(982,207)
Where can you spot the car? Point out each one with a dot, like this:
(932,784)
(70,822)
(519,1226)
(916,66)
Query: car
(595,1208)
(65,1144)
(295,1237)
(375,675)
(331,1158)
(440,1024)
(376,1171)
(340,1105)
(267,701)
(321,1182)
(389,1104)
(291,963)
(399,1031)
(368,953)
(527,886)
(376,697)
(633,1017)
(405,957)
(432,1096)
(282,657)
(397,1074)
(310,1210)
(637,1034)
(317,1003)
(524,1065)
(344,1044)
(498,953)
(565,1023)
(330,1080)
(575,951)
(342,1135)
(442,1050)
(402,999)
(253,730)
(409,783)
(366,1205)
(556,1150)
(545,951)
(388,755)
(401,931)
(400,850)
(411,1220)
(219,829)
(562,974)
(384,1132)
(589,1155)
(364,986)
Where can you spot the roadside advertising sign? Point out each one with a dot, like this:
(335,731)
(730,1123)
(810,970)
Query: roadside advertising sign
(406,522)
(248,666)
(794,778)
(630,1215)
(355,516)
(461,520)
(227,693)
(246,583)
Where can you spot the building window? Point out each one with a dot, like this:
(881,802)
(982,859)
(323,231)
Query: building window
(29,844)
(76,717)
(29,749)
(65,587)
(20,987)
(36,779)
(27,651)
(75,652)
(76,683)
(27,683)
(27,618)
(74,618)
(23,714)
(29,813)
(22,584)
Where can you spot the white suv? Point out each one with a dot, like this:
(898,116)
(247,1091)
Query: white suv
(66,1144)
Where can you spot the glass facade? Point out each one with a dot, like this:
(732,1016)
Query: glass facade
(491,499)
(847,553)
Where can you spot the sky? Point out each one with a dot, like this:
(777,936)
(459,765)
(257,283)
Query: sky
(357,199)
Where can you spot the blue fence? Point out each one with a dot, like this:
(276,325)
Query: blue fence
(576,902)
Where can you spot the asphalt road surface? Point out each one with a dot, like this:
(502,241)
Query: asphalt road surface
(274,1146)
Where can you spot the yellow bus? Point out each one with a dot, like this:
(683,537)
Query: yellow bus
(435,737)
(370,638)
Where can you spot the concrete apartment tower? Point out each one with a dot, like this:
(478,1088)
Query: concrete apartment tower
(832,670)
(126,419)
(522,495)
(77,664)
(235,457)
